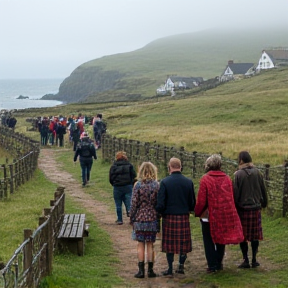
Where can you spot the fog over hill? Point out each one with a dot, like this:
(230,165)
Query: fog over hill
(137,74)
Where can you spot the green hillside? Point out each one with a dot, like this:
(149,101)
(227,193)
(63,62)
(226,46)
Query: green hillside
(247,114)
(137,74)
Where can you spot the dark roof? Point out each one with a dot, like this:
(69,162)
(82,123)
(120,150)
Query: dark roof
(186,79)
(240,68)
(278,54)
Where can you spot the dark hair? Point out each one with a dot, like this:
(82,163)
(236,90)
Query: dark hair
(245,157)
(99,115)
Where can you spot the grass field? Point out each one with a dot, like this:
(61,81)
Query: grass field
(248,114)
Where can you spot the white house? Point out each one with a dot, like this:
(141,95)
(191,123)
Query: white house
(235,70)
(272,58)
(178,82)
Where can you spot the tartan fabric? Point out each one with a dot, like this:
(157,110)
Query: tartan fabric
(176,234)
(145,231)
(251,224)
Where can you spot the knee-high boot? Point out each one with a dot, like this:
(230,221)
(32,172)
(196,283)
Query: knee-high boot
(151,273)
(141,271)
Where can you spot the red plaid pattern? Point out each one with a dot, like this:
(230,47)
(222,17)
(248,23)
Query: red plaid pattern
(176,234)
(251,224)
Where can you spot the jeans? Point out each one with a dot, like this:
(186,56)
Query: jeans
(214,252)
(122,194)
(86,165)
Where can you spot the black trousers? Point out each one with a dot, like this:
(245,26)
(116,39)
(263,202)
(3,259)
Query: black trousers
(214,252)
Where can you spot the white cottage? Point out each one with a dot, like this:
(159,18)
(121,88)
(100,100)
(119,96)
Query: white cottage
(235,70)
(272,58)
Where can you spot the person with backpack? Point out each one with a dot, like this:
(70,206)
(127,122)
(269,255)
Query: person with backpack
(86,150)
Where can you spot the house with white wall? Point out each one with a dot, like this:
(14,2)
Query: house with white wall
(237,70)
(271,58)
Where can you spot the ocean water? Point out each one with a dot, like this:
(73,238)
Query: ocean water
(11,89)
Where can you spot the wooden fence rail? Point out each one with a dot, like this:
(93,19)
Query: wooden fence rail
(26,153)
(276,177)
(33,259)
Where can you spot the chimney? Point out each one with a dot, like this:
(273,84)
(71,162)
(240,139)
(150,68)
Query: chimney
(230,62)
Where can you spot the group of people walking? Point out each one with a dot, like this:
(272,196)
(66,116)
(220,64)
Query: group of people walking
(229,210)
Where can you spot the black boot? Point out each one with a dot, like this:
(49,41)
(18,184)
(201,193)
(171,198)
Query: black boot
(141,272)
(151,273)
(180,269)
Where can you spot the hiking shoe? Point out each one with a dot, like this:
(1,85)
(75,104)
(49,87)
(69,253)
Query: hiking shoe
(167,273)
(255,264)
(244,265)
(118,222)
(210,270)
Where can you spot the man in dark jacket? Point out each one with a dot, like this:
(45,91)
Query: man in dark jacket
(121,177)
(87,152)
(250,197)
(175,202)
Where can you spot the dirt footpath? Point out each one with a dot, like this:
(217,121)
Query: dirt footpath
(121,235)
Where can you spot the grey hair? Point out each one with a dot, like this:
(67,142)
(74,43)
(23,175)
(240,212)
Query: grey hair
(213,162)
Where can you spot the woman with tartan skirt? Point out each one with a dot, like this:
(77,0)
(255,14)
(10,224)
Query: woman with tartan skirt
(250,197)
(175,202)
(219,219)
(143,215)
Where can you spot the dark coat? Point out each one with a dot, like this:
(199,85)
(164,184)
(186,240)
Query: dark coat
(249,189)
(121,173)
(176,195)
(86,150)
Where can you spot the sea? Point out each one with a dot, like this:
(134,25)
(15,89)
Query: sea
(11,89)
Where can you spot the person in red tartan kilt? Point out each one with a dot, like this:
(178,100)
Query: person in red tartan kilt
(219,218)
(250,197)
(175,202)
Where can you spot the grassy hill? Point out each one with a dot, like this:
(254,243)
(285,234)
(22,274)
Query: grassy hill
(246,114)
(136,75)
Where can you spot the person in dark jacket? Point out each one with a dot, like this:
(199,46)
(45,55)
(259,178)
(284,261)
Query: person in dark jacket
(86,150)
(60,131)
(121,176)
(175,202)
(250,197)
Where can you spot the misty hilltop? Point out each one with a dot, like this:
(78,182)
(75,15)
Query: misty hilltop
(137,74)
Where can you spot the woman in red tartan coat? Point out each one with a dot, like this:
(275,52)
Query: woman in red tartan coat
(219,218)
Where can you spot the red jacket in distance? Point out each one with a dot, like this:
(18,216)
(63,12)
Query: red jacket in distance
(216,195)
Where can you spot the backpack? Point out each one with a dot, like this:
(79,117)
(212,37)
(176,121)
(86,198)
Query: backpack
(85,149)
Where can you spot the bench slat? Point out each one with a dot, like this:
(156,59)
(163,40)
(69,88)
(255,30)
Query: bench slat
(73,226)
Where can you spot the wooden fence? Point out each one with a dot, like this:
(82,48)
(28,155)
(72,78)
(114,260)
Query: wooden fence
(25,152)
(276,177)
(33,259)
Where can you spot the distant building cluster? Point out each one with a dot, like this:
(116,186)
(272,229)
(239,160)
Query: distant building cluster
(270,58)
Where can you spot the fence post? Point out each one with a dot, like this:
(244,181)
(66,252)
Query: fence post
(49,240)
(5,181)
(181,156)
(27,261)
(194,164)
(285,190)
(147,150)
(11,178)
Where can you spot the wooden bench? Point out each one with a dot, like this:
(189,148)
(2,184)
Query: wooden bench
(72,232)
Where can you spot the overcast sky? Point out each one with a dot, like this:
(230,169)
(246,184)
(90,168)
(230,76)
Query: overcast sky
(50,38)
